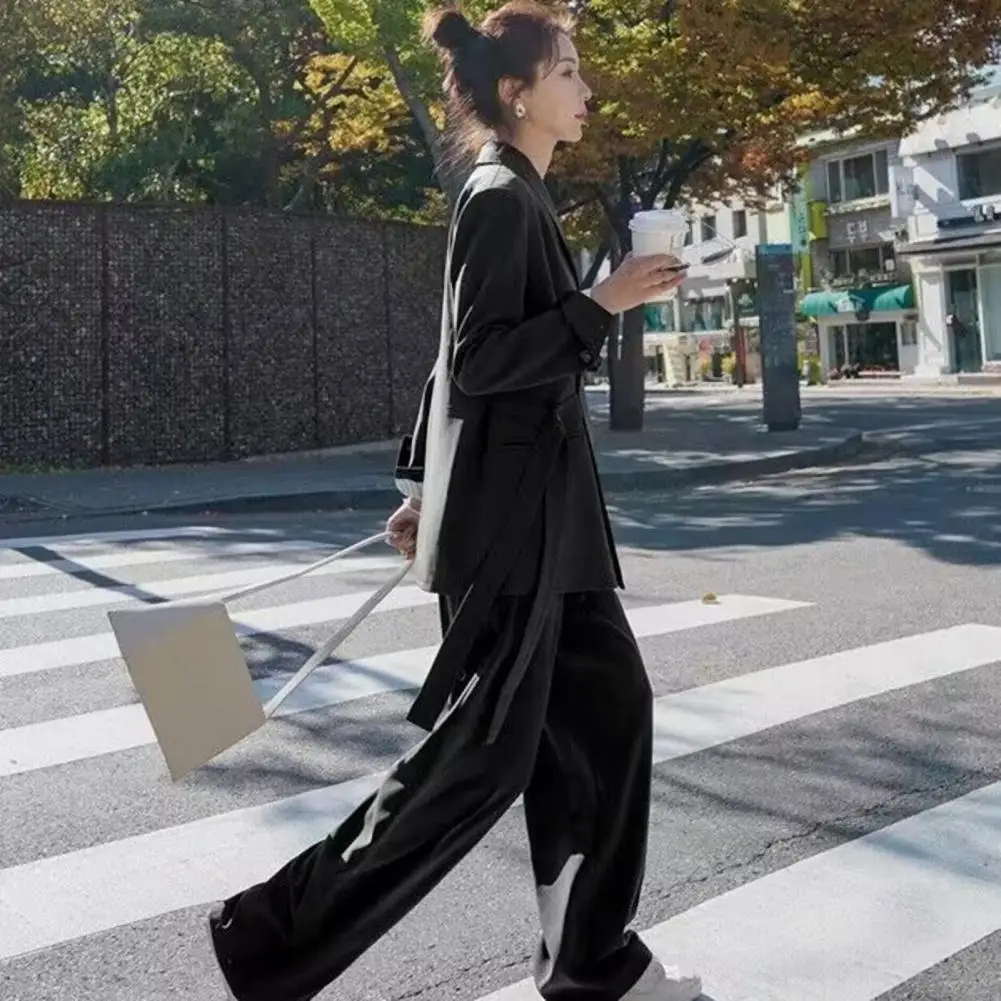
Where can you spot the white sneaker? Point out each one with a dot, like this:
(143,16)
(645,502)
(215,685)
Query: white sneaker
(665,984)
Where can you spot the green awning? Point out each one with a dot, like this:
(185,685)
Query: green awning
(868,300)
(817,304)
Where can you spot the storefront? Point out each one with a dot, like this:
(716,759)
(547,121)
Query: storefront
(874,328)
(959,291)
(695,331)
(950,193)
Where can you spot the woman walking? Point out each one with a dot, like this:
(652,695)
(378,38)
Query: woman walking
(538,687)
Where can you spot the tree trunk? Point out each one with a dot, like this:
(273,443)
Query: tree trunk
(269,145)
(451,172)
(612,346)
(627,377)
(629,382)
(592,272)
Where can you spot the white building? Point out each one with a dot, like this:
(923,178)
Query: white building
(948,190)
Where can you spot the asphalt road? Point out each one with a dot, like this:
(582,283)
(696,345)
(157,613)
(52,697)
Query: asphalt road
(872,408)
(825,832)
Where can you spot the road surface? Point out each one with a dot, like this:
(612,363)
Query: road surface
(828,758)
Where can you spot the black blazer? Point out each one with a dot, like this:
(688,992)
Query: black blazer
(517,336)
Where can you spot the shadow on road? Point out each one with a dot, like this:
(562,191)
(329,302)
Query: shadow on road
(945,504)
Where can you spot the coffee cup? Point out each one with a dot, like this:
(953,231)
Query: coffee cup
(659,231)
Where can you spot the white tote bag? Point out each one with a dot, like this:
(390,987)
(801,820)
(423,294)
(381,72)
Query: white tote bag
(191,675)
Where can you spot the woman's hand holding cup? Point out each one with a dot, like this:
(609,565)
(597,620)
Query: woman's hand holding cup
(638,280)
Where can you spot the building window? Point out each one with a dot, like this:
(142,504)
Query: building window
(963,303)
(705,314)
(871,346)
(860,261)
(660,318)
(858,177)
(739,224)
(990,308)
(708,229)
(979,174)
(834,182)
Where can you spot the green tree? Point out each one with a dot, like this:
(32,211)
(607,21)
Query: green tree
(365,150)
(387,32)
(18,36)
(107,111)
(114,114)
(274,44)
(211,100)
(314,98)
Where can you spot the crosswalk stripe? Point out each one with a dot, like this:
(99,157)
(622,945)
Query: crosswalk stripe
(52,654)
(60,741)
(52,900)
(27,568)
(728,710)
(104,879)
(177,587)
(75,738)
(78,543)
(882,908)
(850,923)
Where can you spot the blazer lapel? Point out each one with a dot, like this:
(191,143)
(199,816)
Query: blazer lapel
(498,152)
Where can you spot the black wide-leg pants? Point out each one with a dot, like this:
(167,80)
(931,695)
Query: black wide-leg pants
(577,741)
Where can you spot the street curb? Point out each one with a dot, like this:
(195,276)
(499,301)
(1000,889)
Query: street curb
(715,473)
(386,498)
(882,444)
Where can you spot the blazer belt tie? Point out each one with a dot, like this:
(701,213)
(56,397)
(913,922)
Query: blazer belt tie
(542,472)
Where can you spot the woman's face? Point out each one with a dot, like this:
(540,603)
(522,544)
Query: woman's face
(556,105)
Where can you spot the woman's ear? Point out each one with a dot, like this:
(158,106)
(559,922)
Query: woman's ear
(508,90)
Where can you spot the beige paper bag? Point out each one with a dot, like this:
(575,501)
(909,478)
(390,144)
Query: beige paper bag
(190,673)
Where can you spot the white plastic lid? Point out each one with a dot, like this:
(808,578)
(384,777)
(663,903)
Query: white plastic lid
(658,220)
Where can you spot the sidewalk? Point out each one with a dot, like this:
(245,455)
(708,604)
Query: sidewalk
(848,389)
(676,448)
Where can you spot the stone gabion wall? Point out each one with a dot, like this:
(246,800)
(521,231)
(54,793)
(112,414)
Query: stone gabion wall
(133,335)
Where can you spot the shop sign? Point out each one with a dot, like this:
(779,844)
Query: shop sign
(870,228)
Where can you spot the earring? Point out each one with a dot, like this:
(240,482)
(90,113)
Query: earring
(519,111)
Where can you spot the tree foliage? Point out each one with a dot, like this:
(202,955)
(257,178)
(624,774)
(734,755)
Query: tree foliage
(275,45)
(111,113)
(388,31)
(280,101)
(220,101)
(709,98)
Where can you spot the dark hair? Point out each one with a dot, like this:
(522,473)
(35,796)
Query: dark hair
(514,42)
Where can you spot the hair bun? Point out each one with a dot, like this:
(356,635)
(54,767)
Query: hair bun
(450,30)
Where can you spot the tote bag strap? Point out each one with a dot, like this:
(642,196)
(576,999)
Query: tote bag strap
(342,633)
(227,596)
(326,648)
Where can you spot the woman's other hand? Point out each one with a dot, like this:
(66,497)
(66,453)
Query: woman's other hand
(402,528)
